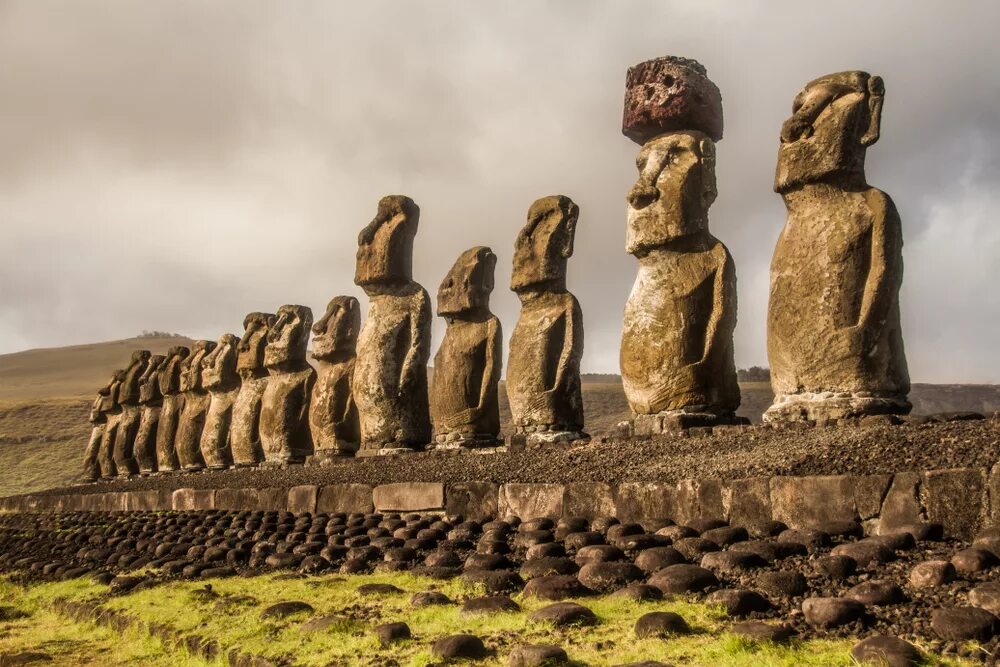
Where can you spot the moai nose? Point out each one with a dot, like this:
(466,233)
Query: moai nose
(642,195)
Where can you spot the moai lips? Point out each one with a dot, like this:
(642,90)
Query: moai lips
(128,426)
(223,384)
(465,407)
(835,344)
(150,406)
(284,416)
(543,374)
(333,416)
(196,401)
(170,413)
(670,94)
(244,431)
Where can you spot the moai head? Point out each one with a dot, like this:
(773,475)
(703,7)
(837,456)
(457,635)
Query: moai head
(172,367)
(336,333)
(251,346)
(544,245)
(114,389)
(675,189)
(385,246)
(467,287)
(834,120)
(191,370)
(288,337)
(149,383)
(670,94)
(219,365)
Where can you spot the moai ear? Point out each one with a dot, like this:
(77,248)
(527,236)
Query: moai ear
(489,267)
(876,93)
(572,214)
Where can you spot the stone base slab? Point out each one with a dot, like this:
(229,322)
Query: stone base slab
(829,406)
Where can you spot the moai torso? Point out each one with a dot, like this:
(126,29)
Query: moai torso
(223,384)
(196,401)
(91,465)
(173,404)
(112,414)
(390,372)
(543,369)
(244,434)
(834,340)
(284,416)
(150,402)
(465,407)
(333,416)
(128,426)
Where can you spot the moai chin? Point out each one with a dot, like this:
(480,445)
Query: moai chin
(333,416)
(128,426)
(112,410)
(465,407)
(676,356)
(284,415)
(196,401)
(91,465)
(223,385)
(244,432)
(390,372)
(833,331)
(543,368)
(150,406)
(170,413)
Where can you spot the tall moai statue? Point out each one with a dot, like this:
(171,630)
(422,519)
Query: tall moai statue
(196,401)
(390,373)
(128,426)
(284,414)
(223,385)
(833,334)
(543,368)
(170,413)
(150,406)
(676,357)
(91,466)
(112,410)
(465,404)
(333,416)
(244,432)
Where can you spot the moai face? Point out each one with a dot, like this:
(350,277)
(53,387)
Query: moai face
(544,245)
(385,246)
(834,119)
(675,189)
(191,370)
(149,383)
(254,340)
(219,365)
(336,333)
(170,373)
(116,384)
(467,287)
(288,337)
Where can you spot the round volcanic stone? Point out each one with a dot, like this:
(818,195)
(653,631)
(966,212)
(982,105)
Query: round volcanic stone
(683,578)
(622,529)
(739,602)
(810,539)
(660,624)
(973,560)
(766,632)
(898,541)
(675,533)
(693,547)
(390,633)
(831,612)
(443,558)
(541,567)
(495,581)
(491,604)
(836,567)
(765,528)
(478,561)
(986,596)
(887,651)
(639,543)
(556,587)
(530,538)
(866,552)
(640,593)
(378,589)
(732,561)
(562,614)
(770,551)
(783,583)
(596,553)
(845,528)
(924,532)
(541,523)
(602,523)
(726,535)
(428,598)
(964,623)
(537,655)
(657,558)
(459,646)
(548,550)
(609,576)
(283,609)
(876,593)
(932,573)
(576,541)
(703,524)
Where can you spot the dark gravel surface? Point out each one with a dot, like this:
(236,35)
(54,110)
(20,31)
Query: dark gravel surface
(758,451)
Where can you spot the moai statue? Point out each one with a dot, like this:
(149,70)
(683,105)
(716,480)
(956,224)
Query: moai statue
(244,432)
(112,410)
(833,333)
(284,414)
(333,416)
(173,405)
(150,406)
(91,466)
(196,401)
(543,368)
(128,426)
(390,373)
(676,358)
(465,404)
(223,384)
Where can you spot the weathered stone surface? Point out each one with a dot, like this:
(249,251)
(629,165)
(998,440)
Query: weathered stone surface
(901,506)
(747,502)
(193,499)
(333,416)
(636,501)
(834,340)
(302,498)
(459,646)
(869,493)
(531,501)
(409,496)
(886,651)
(196,402)
(345,498)
(806,502)
(472,500)
(543,373)
(284,413)
(173,405)
(150,404)
(699,499)
(964,623)
(91,465)
(537,655)
(245,444)
(955,498)
(589,500)
(112,411)
(986,596)
(670,94)
(932,573)
(563,614)
(683,578)
(831,612)
(237,499)
(223,384)
(128,424)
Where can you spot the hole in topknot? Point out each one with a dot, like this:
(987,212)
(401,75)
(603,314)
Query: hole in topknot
(668,80)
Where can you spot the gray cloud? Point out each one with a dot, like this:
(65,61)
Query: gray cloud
(174,165)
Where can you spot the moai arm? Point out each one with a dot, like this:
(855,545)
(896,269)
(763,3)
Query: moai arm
(886,263)
(723,305)
(492,365)
(419,348)
(572,347)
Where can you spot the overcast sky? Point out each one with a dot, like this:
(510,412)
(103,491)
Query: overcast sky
(174,165)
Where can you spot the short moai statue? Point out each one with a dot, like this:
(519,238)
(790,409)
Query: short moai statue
(91,466)
(333,416)
(284,414)
(128,426)
(244,432)
(390,372)
(543,368)
(170,412)
(465,403)
(834,340)
(150,406)
(112,410)
(196,401)
(223,385)
(677,362)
